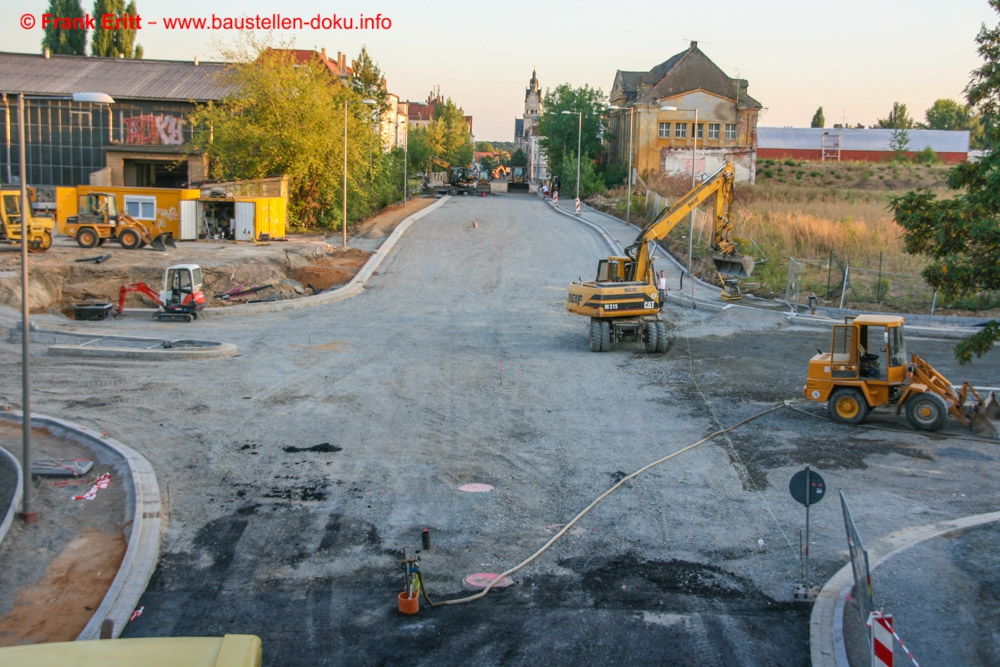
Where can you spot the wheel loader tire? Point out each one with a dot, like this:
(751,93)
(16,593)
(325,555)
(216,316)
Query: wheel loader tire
(926,412)
(848,405)
(86,237)
(130,239)
(661,337)
(652,337)
(605,336)
(595,336)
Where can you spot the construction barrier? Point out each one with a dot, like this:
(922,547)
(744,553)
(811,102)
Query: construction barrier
(578,206)
(555,198)
(881,628)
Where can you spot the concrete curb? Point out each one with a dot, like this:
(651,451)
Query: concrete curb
(824,637)
(15,500)
(142,521)
(132,347)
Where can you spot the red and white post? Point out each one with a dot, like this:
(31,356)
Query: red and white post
(881,629)
(555,198)
(578,206)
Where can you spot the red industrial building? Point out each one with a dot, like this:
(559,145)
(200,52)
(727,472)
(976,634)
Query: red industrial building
(857,145)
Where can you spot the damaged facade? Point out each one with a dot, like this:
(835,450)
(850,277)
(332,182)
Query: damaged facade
(683,113)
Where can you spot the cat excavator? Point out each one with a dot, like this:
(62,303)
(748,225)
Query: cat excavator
(622,302)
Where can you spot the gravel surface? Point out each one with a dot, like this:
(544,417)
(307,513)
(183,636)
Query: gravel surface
(295,473)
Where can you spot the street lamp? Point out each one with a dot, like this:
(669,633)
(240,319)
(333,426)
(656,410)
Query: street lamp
(343,222)
(92,98)
(579,137)
(628,203)
(694,157)
(406,145)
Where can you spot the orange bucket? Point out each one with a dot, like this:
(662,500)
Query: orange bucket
(407,604)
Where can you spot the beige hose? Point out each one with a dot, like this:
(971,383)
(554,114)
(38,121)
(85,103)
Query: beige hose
(592,505)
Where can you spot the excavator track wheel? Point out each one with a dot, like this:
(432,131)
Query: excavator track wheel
(661,337)
(652,337)
(926,412)
(595,336)
(848,405)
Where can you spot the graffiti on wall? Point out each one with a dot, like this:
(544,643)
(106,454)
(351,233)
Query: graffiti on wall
(148,129)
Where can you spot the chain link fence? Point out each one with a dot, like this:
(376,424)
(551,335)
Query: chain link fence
(843,285)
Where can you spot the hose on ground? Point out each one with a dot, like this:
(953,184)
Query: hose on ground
(591,506)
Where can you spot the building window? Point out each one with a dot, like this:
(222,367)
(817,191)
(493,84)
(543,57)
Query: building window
(664,130)
(141,208)
(713,130)
(701,130)
(682,131)
(730,130)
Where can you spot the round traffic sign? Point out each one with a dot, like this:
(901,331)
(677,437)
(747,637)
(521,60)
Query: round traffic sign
(798,487)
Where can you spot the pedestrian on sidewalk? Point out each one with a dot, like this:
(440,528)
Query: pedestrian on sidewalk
(662,287)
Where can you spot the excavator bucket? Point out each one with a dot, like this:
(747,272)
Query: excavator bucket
(991,407)
(737,266)
(162,241)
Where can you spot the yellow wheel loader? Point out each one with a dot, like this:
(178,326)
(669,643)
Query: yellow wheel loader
(39,228)
(867,368)
(623,302)
(98,220)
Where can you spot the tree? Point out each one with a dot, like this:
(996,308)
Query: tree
(900,123)
(448,135)
(818,119)
(369,81)
(559,132)
(898,119)
(65,42)
(118,40)
(961,234)
(484,147)
(286,118)
(518,159)
(951,115)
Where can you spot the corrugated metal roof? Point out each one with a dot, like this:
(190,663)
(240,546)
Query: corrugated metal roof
(122,78)
(811,138)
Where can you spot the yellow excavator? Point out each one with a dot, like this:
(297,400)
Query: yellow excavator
(623,303)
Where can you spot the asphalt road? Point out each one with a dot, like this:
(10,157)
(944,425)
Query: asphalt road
(295,473)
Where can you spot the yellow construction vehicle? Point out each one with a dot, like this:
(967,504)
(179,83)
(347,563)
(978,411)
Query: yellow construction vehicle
(39,228)
(623,303)
(98,220)
(867,368)
(517,180)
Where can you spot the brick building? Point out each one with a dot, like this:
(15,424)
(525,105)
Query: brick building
(685,112)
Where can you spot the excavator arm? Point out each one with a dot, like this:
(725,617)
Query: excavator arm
(143,288)
(727,260)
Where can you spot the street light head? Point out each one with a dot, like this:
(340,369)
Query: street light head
(668,108)
(369,102)
(93,98)
(566,111)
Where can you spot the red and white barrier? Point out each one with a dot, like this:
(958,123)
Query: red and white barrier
(578,206)
(881,628)
(103,482)
(555,198)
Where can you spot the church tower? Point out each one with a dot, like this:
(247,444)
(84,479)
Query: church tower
(526,130)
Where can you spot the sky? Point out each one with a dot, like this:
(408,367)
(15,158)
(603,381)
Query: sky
(853,58)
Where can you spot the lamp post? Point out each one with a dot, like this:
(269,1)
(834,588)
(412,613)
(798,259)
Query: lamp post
(406,144)
(628,202)
(694,157)
(579,138)
(343,222)
(94,98)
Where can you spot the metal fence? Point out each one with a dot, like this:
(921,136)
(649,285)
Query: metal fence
(857,287)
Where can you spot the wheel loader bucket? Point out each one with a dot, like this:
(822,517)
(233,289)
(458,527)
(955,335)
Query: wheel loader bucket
(737,266)
(982,422)
(162,241)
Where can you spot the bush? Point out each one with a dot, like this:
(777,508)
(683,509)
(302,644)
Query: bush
(791,163)
(768,173)
(928,157)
